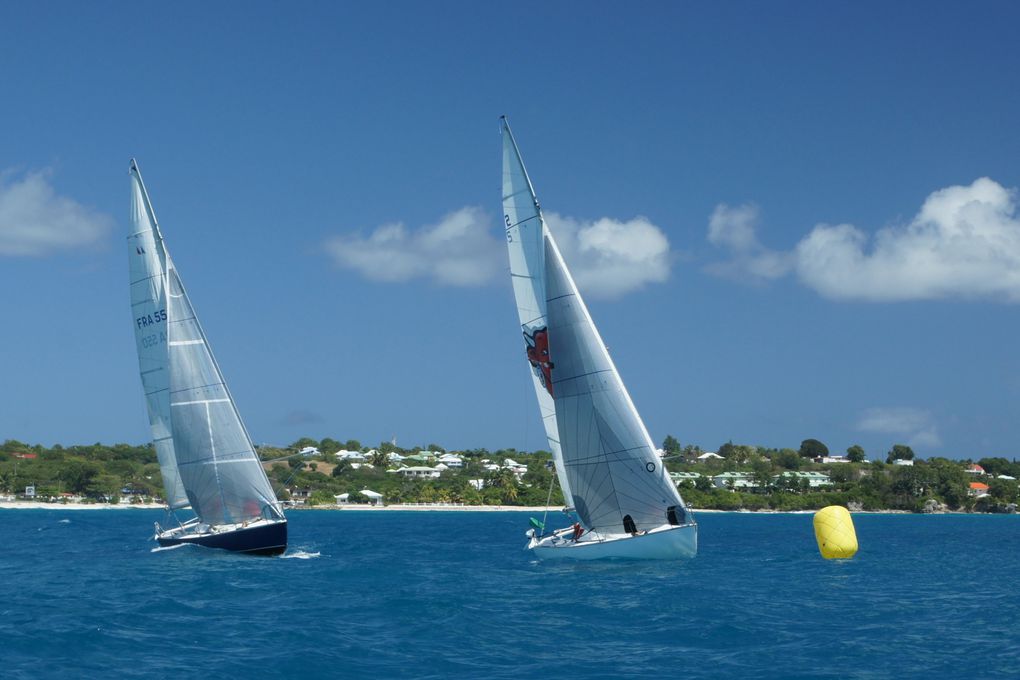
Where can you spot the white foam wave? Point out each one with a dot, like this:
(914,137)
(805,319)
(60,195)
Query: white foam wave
(161,548)
(300,555)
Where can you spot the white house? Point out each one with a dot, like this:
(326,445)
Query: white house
(309,451)
(902,461)
(814,479)
(374,497)
(394,457)
(709,455)
(451,460)
(515,467)
(418,471)
(342,498)
(832,459)
(975,469)
(477,483)
(734,480)
(350,456)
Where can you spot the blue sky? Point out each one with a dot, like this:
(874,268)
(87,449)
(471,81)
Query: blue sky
(791,220)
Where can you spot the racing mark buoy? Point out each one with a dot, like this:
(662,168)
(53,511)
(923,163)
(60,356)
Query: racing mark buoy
(834,531)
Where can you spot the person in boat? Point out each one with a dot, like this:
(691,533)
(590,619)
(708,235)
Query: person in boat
(578,531)
(630,527)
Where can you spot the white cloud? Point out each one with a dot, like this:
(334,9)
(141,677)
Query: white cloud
(34,220)
(963,242)
(459,251)
(609,258)
(735,229)
(915,425)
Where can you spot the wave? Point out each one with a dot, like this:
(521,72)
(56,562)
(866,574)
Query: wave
(300,555)
(162,548)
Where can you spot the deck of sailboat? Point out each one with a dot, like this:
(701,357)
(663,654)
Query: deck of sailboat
(664,542)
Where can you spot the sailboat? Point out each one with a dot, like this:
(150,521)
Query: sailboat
(206,457)
(612,479)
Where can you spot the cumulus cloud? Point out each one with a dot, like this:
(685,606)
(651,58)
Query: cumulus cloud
(735,229)
(607,257)
(915,425)
(35,220)
(964,242)
(459,251)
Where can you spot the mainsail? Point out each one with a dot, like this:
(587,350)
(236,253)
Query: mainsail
(525,233)
(206,456)
(607,460)
(148,307)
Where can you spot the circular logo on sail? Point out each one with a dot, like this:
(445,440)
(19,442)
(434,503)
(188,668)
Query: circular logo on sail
(537,346)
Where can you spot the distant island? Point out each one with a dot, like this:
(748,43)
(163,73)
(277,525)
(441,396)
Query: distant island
(328,472)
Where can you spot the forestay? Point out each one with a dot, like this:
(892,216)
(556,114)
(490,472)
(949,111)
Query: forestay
(525,235)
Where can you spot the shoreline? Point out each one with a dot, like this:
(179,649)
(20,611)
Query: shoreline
(37,505)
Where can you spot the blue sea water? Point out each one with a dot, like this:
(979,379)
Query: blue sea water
(436,595)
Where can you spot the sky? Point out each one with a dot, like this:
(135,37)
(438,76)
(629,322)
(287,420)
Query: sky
(788,219)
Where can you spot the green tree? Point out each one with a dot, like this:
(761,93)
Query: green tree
(670,445)
(788,459)
(761,473)
(812,448)
(899,452)
(303,443)
(855,454)
(79,475)
(353,445)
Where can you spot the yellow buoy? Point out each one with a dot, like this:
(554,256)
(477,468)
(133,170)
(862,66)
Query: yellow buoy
(834,530)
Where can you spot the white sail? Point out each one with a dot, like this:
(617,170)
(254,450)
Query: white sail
(215,460)
(606,460)
(148,310)
(610,460)
(525,235)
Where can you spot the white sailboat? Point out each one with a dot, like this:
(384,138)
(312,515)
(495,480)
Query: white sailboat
(207,459)
(607,466)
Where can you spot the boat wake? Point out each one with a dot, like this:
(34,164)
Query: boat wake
(64,521)
(300,555)
(162,548)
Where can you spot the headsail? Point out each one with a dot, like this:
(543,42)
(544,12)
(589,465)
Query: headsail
(525,235)
(214,456)
(149,312)
(611,462)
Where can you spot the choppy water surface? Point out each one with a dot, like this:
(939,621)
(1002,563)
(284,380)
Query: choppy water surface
(395,594)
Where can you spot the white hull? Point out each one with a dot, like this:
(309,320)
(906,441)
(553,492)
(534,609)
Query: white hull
(663,543)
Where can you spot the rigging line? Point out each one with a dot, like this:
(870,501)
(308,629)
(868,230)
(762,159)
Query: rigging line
(548,499)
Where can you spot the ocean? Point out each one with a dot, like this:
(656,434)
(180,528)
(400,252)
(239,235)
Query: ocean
(453,594)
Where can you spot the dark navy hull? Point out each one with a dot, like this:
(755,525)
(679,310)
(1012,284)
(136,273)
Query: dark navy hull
(261,539)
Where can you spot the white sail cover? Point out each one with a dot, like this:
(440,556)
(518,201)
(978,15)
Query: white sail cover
(608,459)
(525,230)
(214,456)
